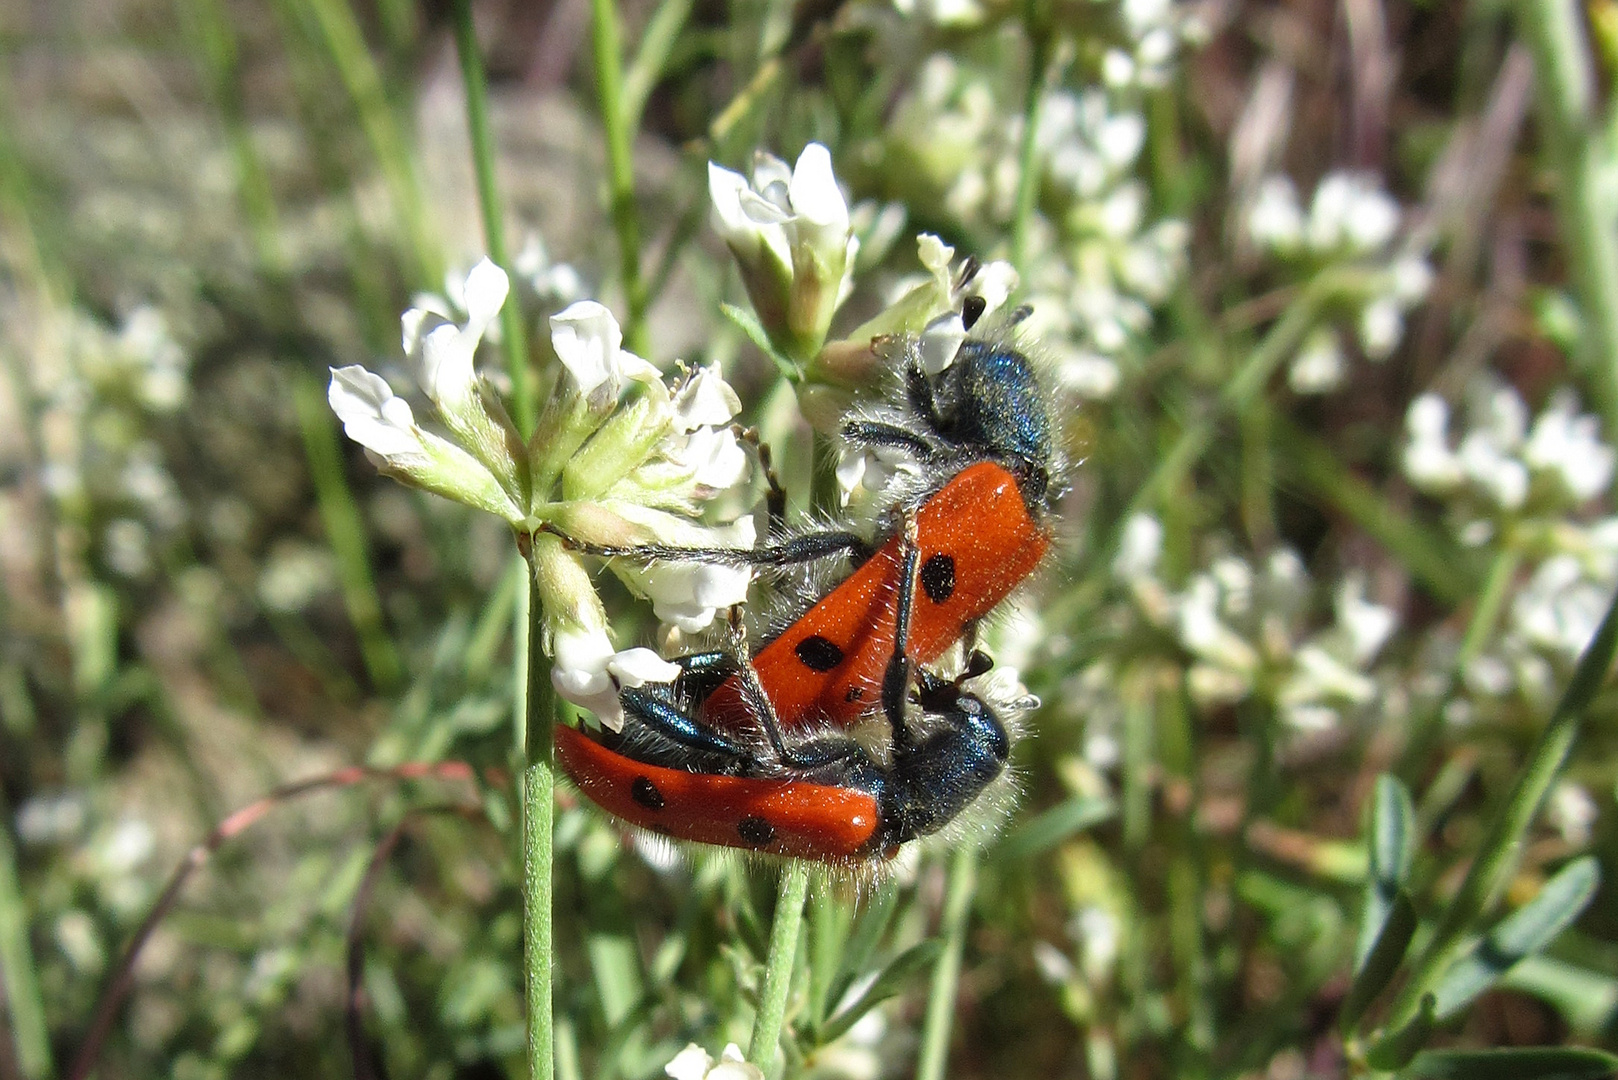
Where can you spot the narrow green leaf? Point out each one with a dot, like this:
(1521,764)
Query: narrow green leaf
(1587,1000)
(1395,1048)
(1046,830)
(869,926)
(1525,931)
(1518,1063)
(1390,846)
(748,324)
(1381,962)
(907,964)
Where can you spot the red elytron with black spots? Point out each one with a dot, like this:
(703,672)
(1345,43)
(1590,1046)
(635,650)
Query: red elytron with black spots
(981,431)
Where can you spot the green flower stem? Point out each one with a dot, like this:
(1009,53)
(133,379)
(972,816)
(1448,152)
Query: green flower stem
(1574,152)
(339,30)
(772,1003)
(1039,51)
(615,118)
(513,332)
(19,985)
(1497,855)
(345,533)
(940,1018)
(536,710)
(1486,615)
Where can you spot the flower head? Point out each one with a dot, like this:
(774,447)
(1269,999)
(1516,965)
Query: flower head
(695,1063)
(790,233)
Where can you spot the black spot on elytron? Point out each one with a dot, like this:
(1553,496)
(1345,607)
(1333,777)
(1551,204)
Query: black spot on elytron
(755,831)
(854,693)
(938,577)
(645,792)
(972,309)
(818,654)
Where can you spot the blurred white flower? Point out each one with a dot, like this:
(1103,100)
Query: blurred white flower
(1569,445)
(1275,220)
(1318,368)
(695,1063)
(1428,461)
(1351,211)
(1139,548)
(1382,325)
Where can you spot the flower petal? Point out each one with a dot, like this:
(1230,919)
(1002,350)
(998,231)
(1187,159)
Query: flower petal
(372,414)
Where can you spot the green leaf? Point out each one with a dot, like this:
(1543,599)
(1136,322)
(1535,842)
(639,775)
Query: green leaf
(1046,830)
(748,324)
(906,965)
(1518,1063)
(1395,1048)
(1390,846)
(1381,963)
(1526,930)
(869,926)
(1587,1000)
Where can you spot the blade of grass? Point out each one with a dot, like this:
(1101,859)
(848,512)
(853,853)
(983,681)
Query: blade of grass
(513,329)
(940,1018)
(19,981)
(616,120)
(1497,854)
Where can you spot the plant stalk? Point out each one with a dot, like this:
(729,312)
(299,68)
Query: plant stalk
(606,42)
(772,1003)
(537,708)
(513,332)
(1574,150)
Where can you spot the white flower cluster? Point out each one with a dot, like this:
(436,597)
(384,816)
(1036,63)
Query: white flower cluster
(1246,627)
(1098,265)
(1155,30)
(619,458)
(1507,480)
(1561,461)
(1350,220)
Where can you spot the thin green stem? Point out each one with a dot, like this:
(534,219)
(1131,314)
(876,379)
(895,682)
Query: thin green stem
(345,533)
(1497,855)
(1039,49)
(1486,615)
(19,985)
(513,332)
(536,706)
(940,1018)
(772,1004)
(615,119)
(1575,155)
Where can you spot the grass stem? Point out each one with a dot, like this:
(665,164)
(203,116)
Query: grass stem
(1576,161)
(513,331)
(19,982)
(615,120)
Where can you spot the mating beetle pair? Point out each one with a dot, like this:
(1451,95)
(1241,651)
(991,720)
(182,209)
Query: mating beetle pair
(758,754)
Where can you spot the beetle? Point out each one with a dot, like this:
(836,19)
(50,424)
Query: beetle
(981,431)
(822,797)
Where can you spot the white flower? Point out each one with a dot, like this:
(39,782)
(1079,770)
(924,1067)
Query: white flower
(1350,211)
(1570,445)
(441,353)
(689,594)
(790,233)
(872,468)
(694,1063)
(1318,368)
(1503,478)
(1382,324)
(713,455)
(589,673)
(1275,219)
(1428,460)
(588,341)
(1560,608)
(1368,626)
(383,423)
(1139,548)
(705,398)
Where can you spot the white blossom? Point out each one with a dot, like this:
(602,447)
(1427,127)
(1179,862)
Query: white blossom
(695,1063)
(588,672)
(441,353)
(1319,367)
(1569,445)
(589,343)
